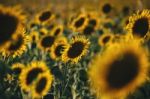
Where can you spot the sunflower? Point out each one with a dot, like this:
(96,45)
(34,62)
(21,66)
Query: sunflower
(139,24)
(17,68)
(42,85)
(57,30)
(30,74)
(44,17)
(80,22)
(119,70)
(106,8)
(105,39)
(11,23)
(78,48)
(58,47)
(34,36)
(88,30)
(93,19)
(46,42)
(17,46)
(43,31)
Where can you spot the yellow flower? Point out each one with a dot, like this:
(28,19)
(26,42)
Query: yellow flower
(139,25)
(30,73)
(11,23)
(44,17)
(17,68)
(88,30)
(94,19)
(106,8)
(46,42)
(79,23)
(58,48)
(78,48)
(42,85)
(119,70)
(43,31)
(57,30)
(34,36)
(105,39)
(16,47)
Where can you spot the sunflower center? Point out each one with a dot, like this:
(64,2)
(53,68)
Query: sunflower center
(41,85)
(76,49)
(59,49)
(45,15)
(106,39)
(57,32)
(106,8)
(47,41)
(141,27)
(32,74)
(16,45)
(123,71)
(92,22)
(88,30)
(8,26)
(79,22)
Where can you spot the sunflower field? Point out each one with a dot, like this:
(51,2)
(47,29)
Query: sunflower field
(74,49)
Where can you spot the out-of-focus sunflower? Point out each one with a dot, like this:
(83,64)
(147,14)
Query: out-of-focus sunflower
(106,8)
(46,42)
(44,17)
(88,30)
(79,23)
(42,85)
(94,19)
(43,31)
(139,24)
(105,39)
(33,38)
(119,70)
(17,68)
(30,74)
(57,30)
(78,48)
(11,23)
(17,46)
(58,47)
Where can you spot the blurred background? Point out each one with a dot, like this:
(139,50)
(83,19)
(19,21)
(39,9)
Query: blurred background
(66,6)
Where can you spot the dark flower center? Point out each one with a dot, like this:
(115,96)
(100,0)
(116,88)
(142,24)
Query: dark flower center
(106,39)
(123,71)
(8,26)
(76,49)
(79,22)
(106,8)
(57,32)
(88,30)
(92,22)
(32,74)
(59,49)
(45,16)
(47,41)
(41,85)
(141,27)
